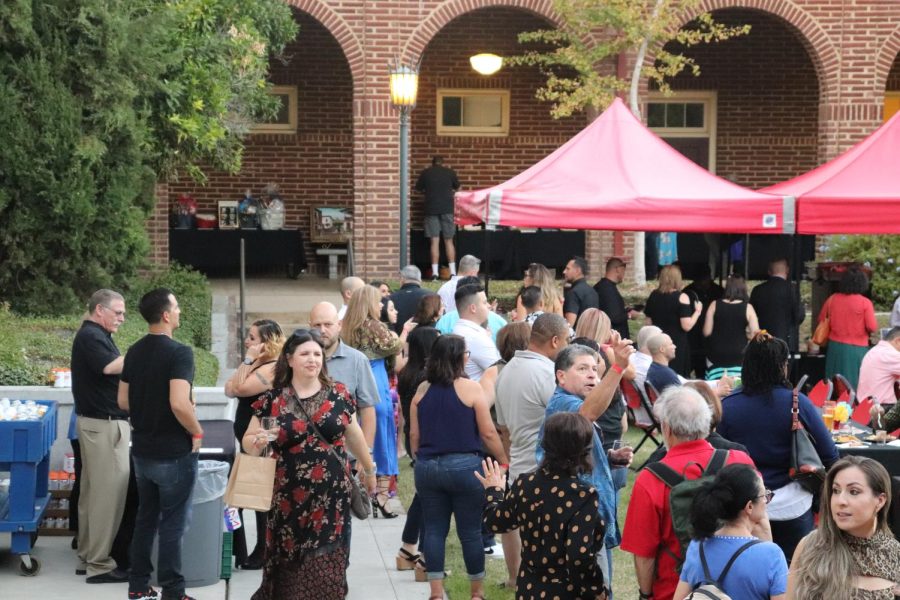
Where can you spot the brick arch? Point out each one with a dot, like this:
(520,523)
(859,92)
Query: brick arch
(340,30)
(885,60)
(451,9)
(818,44)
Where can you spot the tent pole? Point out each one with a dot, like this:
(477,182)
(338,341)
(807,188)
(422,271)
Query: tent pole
(487,260)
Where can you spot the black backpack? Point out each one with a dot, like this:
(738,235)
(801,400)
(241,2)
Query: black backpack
(711,588)
(682,495)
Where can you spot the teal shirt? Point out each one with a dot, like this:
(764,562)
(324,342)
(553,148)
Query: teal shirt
(445,324)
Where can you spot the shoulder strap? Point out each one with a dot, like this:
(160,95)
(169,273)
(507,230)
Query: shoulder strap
(716,462)
(795,411)
(707,578)
(665,473)
(731,560)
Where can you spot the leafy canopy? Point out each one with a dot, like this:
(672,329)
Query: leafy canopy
(595,31)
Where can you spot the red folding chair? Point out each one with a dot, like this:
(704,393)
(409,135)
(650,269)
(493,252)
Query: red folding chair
(821,392)
(642,418)
(843,390)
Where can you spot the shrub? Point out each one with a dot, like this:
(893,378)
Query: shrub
(882,253)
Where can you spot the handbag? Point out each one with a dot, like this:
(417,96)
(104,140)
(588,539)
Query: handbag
(251,482)
(823,329)
(360,504)
(806,467)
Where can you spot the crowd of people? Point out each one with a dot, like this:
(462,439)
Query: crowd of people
(515,427)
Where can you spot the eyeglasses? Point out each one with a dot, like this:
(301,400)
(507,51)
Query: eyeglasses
(768,496)
(468,353)
(313,333)
(118,313)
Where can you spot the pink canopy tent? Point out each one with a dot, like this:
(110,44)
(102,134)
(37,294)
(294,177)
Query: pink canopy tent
(857,192)
(617,175)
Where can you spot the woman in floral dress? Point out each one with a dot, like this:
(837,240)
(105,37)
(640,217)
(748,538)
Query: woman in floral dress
(307,531)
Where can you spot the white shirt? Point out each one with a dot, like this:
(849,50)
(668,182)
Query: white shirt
(447,292)
(341,312)
(482,351)
(641,364)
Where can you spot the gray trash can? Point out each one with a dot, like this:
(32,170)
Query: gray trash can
(201,551)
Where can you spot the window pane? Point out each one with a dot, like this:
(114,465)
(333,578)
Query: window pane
(284,115)
(674,115)
(482,111)
(694,114)
(451,113)
(656,115)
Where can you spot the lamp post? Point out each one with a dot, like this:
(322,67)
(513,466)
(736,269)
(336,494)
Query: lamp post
(404,87)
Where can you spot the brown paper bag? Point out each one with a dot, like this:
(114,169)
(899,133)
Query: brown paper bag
(251,482)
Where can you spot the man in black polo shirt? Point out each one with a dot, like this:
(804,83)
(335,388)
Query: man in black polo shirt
(156,390)
(580,296)
(439,184)
(611,301)
(104,435)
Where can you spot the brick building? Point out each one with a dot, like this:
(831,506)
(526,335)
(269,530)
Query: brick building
(812,78)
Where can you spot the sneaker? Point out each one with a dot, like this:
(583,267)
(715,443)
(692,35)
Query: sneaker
(495,551)
(150,594)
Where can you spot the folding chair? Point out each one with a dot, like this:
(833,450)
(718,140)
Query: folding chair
(637,405)
(843,390)
(649,398)
(821,392)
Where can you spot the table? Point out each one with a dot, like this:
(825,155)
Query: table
(214,251)
(509,251)
(889,456)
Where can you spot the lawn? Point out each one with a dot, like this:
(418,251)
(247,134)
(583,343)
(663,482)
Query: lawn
(457,585)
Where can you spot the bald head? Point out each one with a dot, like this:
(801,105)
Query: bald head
(646,332)
(350,285)
(661,348)
(324,317)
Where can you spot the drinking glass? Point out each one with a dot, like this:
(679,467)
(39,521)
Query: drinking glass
(270,424)
(619,444)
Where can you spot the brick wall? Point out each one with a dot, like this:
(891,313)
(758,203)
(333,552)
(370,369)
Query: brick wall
(313,167)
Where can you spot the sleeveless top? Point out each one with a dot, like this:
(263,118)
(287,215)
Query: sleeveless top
(725,347)
(446,425)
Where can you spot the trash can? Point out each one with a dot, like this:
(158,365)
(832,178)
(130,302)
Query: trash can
(201,556)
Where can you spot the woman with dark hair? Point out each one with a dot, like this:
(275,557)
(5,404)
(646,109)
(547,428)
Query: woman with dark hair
(449,421)
(758,415)
(852,318)
(729,323)
(673,311)
(362,329)
(852,555)
(428,311)
(555,512)
(382,287)
(420,341)
(724,514)
(307,530)
(253,378)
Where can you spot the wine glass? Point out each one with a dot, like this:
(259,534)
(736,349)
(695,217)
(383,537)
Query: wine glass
(270,424)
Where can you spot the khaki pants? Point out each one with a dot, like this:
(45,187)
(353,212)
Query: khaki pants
(104,486)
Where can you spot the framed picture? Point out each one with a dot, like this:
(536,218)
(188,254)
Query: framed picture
(330,224)
(228,214)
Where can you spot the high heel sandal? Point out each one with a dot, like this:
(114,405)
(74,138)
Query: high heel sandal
(406,560)
(422,573)
(379,507)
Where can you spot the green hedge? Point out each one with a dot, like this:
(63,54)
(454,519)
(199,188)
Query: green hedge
(882,253)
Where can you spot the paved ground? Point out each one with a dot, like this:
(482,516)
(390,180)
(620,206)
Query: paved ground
(372,574)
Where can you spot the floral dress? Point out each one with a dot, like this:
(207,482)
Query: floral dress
(307,532)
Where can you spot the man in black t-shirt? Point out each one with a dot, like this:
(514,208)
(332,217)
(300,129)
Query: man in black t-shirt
(580,296)
(103,437)
(439,184)
(611,301)
(156,390)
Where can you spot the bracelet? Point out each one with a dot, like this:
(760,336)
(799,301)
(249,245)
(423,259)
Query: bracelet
(617,368)
(645,595)
(197,436)
(372,471)
(504,466)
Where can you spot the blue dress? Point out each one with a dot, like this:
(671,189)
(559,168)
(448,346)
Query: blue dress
(384,452)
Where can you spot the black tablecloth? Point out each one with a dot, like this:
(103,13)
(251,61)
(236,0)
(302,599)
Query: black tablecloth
(509,251)
(889,456)
(219,250)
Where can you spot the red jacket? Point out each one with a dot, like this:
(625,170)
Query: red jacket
(852,318)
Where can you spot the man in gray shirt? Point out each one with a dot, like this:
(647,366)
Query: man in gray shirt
(524,388)
(348,366)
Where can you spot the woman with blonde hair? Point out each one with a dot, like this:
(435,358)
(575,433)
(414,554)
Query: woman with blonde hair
(252,379)
(538,275)
(362,329)
(852,555)
(675,313)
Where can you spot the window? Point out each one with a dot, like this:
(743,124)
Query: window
(285,120)
(891,104)
(687,121)
(473,112)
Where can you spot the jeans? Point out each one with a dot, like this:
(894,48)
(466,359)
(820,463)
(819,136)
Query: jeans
(787,534)
(619,479)
(164,488)
(447,485)
(414,530)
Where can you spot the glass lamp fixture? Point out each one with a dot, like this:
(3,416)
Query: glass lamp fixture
(486,63)
(404,85)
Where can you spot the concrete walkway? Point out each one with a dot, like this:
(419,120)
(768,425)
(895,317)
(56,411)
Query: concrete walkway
(372,574)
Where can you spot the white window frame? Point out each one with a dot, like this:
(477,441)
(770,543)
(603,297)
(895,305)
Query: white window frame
(287,128)
(450,130)
(709,100)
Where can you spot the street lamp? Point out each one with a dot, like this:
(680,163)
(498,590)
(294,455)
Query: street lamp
(404,87)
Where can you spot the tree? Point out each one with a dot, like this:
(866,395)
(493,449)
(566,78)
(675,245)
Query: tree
(577,56)
(101,98)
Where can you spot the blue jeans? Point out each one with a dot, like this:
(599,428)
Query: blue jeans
(164,488)
(414,529)
(787,534)
(619,479)
(447,485)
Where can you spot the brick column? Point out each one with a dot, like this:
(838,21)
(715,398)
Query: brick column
(158,228)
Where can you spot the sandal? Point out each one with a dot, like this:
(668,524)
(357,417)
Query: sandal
(406,560)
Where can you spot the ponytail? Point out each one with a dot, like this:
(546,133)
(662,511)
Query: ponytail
(721,500)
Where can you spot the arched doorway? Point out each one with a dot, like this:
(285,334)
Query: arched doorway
(892,90)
